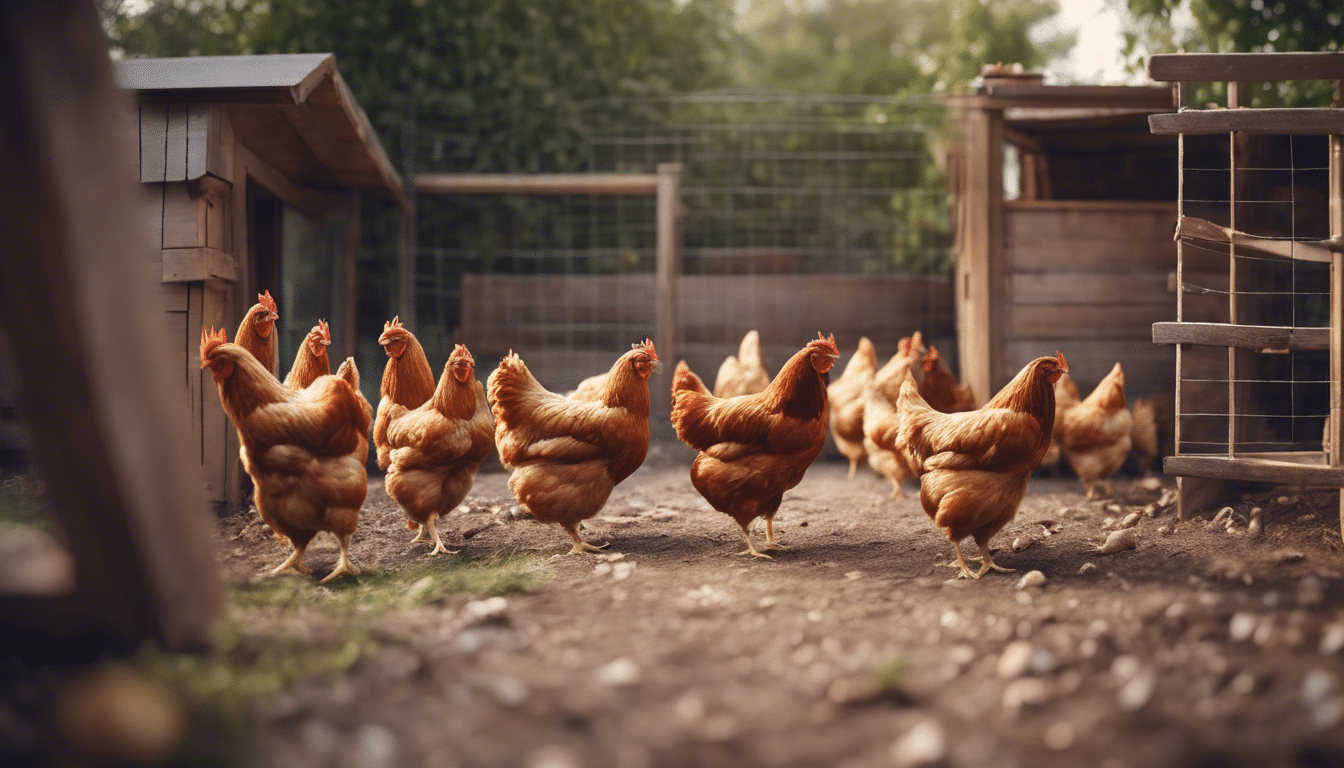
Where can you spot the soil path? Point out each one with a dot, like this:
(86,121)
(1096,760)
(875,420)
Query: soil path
(1206,644)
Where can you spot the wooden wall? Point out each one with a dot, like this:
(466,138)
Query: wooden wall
(1089,278)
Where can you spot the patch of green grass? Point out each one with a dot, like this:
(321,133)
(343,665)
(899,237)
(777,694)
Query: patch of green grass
(21,502)
(888,672)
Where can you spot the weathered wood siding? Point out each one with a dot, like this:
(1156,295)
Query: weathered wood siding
(1089,279)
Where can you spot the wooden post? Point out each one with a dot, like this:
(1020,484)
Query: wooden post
(1336,152)
(1233,156)
(667,268)
(980,268)
(406,265)
(1182,507)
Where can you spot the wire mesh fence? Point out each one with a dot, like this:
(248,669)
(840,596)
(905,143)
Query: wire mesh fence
(799,214)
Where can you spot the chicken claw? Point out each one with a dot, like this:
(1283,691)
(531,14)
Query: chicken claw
(439,549)
(343,565)
(581,546)
(751,548)
(771,543)
(294,563)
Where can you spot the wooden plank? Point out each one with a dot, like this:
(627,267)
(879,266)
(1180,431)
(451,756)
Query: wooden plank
(153,142)
(197,141)
(1257,468)
(173,297)
(1157,97)
(1064,288)
(1191,228)
(1248,67)
(1083,321)
(182,265)
(107,428)
(1030,221)
(1087,255)
(267,78)
(175,154)
(214,194)
(1297,122)
(1255,337)
(183,217)
(314,203)
(219,144)
(1158,208)
(537,184)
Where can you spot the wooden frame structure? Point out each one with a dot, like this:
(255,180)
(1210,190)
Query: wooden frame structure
(226,143)
(1079,260)
(1298,468)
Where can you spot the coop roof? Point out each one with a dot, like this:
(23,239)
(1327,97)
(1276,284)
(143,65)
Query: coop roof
(292,110)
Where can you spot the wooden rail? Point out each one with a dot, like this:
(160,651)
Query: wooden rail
(1191,228)
(537,184)
(1257,337)
(1277,468)
(1222,67)
(1298,122)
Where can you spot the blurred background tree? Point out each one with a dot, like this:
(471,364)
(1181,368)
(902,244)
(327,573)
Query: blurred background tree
(1238,26)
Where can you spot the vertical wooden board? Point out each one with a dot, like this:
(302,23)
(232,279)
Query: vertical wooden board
(216,221)
(153,141)
(198,140)
(205,403)
(175,153)
(183,217)
(153,210)
(219,143)
(172,296)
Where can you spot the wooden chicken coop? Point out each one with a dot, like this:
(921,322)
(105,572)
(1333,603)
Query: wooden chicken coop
(255,167)
(1063,230)
(1259,327)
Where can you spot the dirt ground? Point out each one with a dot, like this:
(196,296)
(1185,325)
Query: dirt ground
(1206,644)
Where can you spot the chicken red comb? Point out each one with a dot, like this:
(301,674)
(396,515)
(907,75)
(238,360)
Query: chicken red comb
(1063,364)
(265,300)
(393,323)
(460,351)
(931,358)
(209,341)
(646,346)
(325,329)
(827,343)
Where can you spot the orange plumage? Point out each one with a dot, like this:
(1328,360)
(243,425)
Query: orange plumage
(311,360)
(880,407)
(1096,432)
(567,455)
(437,448)
(304,449)
(974,466)
(846,399)
(256,333)
(755,447)
(940,388)
(408,383)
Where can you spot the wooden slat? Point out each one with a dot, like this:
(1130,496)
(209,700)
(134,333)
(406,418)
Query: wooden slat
(175,155)
(271,78)
(153,142)
(1156,97)
(198,140)
(1191,228)
(183,217)
(538,184)
(1097,321)
(193,264)
(1256,337)
(1299,122)
(1069,254)
(1063,288)
(1257,468)
(1040,221)
(219,147)
(1247,67)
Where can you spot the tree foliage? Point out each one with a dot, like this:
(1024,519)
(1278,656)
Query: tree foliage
(1238,26)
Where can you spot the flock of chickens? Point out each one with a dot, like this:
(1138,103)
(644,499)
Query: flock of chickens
(304,442)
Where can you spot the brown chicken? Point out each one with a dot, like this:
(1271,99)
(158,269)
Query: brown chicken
(744,374)
(408,383)
(311,361)
(1066,396)
(590,389)
(1096,436)
(567,455)
(755,447)
(304,449)
(437,448)
(257,333)
(846,397)
(940,388)
(1144,434)
(880,406)
(974,466)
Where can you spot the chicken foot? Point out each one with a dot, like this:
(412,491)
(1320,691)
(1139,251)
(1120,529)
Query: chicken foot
(771,543)
(343,564)
(581,546)
(434,534)
(751,547)
(419,529)
(294,562)
(853,468)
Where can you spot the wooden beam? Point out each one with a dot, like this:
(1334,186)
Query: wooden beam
(1264,338)
(1300,122)
(315,203)
(537,184)
(1190,228)
(1247,67)
(182,265)
(1256,468)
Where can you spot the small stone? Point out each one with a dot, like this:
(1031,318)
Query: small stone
(1310,591)
(1026,692)
(1086,568)
(477,611)
(1150,483)
(1042,662)
(1060,736)
(1022,543)
(1164,530)
(1176,611)
(1151,510)
(1015,659)
(1256,525)
(1137,692)
(508,691)
(1317,684)
(602,569)
(621,673)
(375,747)
(477,528)
(853,690)
(924,744)
(1241,627)
(1332,640)
(1031,579)
(1125,667)
(1114,509)
(1119,541)
(1289,556)
(690,708)
(1243,684)
(622,570)
(1131,520)
(853,575)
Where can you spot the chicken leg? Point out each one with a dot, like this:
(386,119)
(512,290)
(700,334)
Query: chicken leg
(987,562)
(751,547)
(853,468)
(961,564)
(419,529)
(771,543)
(294,562)
(581,546)
(343,564)
(434,534)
